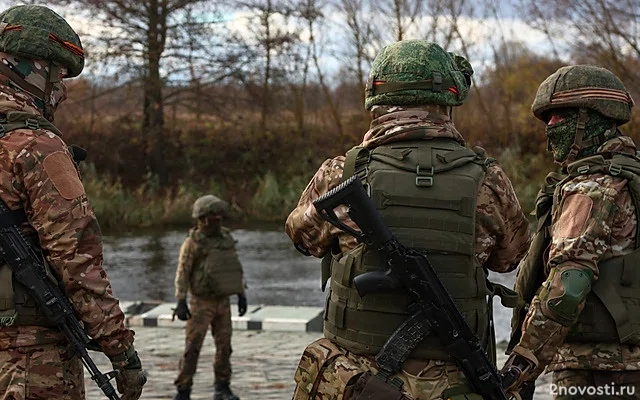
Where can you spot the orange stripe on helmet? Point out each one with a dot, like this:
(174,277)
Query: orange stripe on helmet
(70,46)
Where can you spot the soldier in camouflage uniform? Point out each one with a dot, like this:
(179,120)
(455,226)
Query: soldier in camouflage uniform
(209,269)
(580,278)
(40,183)
(436,195)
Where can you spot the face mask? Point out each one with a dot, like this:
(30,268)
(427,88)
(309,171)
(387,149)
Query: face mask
(562,134)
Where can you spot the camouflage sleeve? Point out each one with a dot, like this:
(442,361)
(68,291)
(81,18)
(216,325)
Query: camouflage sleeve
(581,234)
(185,265)
(502,229)
(304,225)
(58,209)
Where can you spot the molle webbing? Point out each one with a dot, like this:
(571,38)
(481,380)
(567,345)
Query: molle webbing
(426,192)
(216,271)
(612,310)
(22,120)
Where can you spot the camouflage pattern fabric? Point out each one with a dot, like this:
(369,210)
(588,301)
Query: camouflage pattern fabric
(38,175)
(41,372)
(328,372)
(204,313)
(581,238)
(625,384)
(34,72)
(502,238)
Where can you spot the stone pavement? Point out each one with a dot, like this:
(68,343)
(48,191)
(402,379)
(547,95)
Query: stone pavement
(263,364)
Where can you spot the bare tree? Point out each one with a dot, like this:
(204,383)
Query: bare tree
(602,31)
(152,41)
(270,37)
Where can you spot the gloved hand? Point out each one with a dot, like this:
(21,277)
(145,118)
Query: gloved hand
(182,310)
(519,368)
(242,304)
(131,378)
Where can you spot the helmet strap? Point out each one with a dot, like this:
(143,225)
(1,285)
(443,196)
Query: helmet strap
(13,76)
(577,141)
(52,78)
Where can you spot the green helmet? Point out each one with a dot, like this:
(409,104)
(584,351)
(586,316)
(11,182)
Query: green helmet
(584,86)
(209,204)
(37,32)
(417,72)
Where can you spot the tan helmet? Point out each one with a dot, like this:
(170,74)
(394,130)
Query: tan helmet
(209,205)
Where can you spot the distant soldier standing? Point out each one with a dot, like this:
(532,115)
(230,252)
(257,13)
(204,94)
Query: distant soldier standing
(41,185)
(584,321)
(209,269)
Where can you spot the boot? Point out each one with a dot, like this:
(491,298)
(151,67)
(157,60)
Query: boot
(183,394)
(222,392)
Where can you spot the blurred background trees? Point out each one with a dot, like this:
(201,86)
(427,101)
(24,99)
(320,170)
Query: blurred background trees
(248,97)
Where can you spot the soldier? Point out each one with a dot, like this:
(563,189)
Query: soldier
(584,321)
(435,195)
(41,185)
(209,269)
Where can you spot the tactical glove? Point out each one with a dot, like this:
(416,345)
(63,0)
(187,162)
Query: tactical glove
(242,304)
(519,368)
(131,378)
(182,310)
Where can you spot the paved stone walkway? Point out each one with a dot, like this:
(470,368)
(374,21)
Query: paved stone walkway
(263,364)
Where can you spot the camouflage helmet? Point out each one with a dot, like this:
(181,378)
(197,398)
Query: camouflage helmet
(37,32)
(209,204)
(417,72)
(584,86)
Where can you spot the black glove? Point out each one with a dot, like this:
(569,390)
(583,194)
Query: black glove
(182,310)
(131,378)
(242,304)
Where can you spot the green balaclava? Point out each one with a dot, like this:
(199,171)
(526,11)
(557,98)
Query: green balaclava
(561,135)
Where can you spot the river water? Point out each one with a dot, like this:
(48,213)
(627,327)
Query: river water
(142,267)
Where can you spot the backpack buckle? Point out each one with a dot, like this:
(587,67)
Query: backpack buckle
(615,169)
(583,169)
(32,124)
(422,180)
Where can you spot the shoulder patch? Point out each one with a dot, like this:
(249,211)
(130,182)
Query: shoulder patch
(575,213)
(63,175)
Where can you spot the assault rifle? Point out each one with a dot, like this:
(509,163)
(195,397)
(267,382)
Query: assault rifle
(29,269)
(433,309)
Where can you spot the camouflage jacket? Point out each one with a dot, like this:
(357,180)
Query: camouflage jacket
(501,232)
(582,239)
(38,175)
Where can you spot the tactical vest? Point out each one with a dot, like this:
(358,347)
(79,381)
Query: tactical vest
(612,309)
(426,194)
(217,272)
(17,307)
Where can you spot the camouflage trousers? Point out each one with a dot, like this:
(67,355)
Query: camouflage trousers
(574,384)
(328,372)
(41,372)
(204,313)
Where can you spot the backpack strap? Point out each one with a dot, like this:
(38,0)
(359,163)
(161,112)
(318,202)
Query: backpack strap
(23,120)
(355,158)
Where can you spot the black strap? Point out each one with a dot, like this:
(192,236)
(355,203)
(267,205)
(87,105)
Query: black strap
(12,217)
